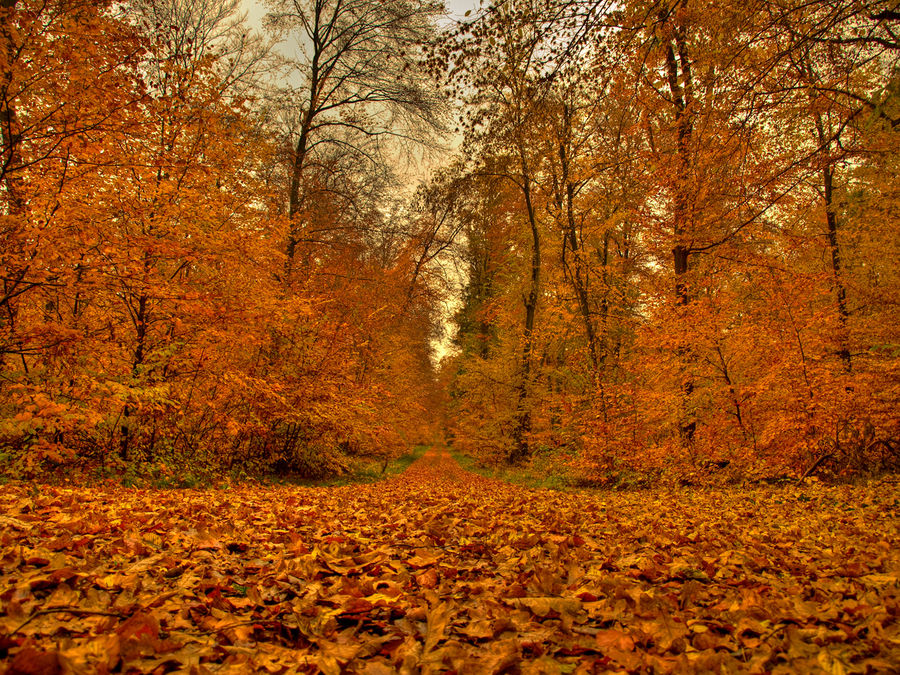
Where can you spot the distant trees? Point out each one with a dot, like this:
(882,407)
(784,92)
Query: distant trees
(701,171)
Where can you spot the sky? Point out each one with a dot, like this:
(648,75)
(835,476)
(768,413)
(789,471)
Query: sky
(456,8)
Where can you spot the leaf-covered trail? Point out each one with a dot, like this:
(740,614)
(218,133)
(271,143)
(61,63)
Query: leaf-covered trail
(439,569)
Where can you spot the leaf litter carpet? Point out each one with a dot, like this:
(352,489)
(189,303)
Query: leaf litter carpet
(439,570)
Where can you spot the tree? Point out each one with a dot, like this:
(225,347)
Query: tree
(47,104)
(358,85)
(506,88)
(718,152)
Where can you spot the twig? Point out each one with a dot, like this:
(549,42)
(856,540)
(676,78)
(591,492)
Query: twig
(222,629)
(64,610)
(586,630)
(815,466)
(771,633)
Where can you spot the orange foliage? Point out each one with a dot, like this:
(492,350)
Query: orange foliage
(145,317)
(716,214)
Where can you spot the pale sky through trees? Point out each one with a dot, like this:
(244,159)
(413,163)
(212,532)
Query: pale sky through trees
(411,168)
(456,8)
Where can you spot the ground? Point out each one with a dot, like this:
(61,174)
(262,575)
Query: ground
(441,570)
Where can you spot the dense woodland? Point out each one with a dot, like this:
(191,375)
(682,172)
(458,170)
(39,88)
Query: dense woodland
(656,238)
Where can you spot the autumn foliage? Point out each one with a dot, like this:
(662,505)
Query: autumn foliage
(680,238)
(668,245)
(663,257)
(147,315)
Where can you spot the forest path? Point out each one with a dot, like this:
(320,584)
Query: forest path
(439,569)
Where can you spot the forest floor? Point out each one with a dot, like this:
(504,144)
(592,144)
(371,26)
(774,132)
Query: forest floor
(438,569)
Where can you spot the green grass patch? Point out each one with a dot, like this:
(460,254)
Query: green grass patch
(539,473)
(361,470)
(368,471)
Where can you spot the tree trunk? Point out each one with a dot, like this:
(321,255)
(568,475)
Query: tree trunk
(299,159)
(836,266)
(294,197)
(521,450)
(831,220)
(682,98)
(11,135)
(577,274)
(140,325)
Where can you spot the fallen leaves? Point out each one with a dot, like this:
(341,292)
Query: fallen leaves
(548,607)
(442,570)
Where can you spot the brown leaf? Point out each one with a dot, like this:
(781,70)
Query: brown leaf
(615,639)
(32,661)
(438,619)
(544,606)
(428,578)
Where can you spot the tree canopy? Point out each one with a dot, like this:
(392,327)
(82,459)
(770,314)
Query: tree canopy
(661,243)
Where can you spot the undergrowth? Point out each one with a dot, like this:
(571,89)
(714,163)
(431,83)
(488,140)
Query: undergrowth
(173,476)
(537,474)
(361,470)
